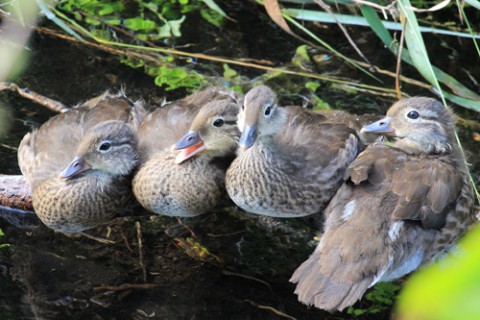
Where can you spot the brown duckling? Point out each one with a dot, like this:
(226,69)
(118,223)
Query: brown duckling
(189,182)
(290,162)
(401,206)
(78,163)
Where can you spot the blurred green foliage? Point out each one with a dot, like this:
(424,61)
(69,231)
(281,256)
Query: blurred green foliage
(3,245)
(449,289)
(381,298)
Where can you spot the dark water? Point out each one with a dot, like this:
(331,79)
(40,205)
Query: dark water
(223,265)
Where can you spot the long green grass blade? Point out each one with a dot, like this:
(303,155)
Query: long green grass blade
(466,103)
(416,46)
(50,15)
(473,3)
(460,6)
(324,17)
(214,6)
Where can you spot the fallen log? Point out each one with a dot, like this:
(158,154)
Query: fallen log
(15,192)
(16,202)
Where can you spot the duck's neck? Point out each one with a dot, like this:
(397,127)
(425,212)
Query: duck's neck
(268,134)
(425,145)
(413,146)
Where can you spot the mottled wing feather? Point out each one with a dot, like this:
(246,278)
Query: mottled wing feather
(311,145)
(427,190)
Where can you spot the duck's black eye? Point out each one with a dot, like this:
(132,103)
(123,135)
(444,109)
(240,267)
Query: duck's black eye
(268,110)
(104,146)
(413,114)
(243,106)
(218,123)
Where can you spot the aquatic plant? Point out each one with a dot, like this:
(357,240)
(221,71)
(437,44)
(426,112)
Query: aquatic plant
(2,245)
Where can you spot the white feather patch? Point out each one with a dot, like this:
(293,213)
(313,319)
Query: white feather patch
(348,210)
(394,230)
(407,266)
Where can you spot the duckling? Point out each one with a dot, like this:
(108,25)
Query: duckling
(401,206)
(290,162)
(188,182)
(78,163)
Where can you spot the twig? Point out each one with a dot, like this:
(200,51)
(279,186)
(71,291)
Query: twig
(6,146)
(399,62)
(391,95)
(138,227)
(192,233)
(229,273)
(344,30)
(38,98)
(272,309)
(221,235)
(403,78)
(101,240)
(128,286)
(390,8)
(125,240)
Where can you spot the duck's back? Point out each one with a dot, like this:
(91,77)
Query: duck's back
(45,152)
(310,142)
(167,124)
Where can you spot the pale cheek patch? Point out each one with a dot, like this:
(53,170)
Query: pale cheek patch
(394,230)
(348,210)
(241,121)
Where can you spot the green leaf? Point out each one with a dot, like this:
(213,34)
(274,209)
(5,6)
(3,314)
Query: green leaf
(114,21)
(212,17)
(212,5)
(171,28)
(177,77)
(137,24)
(312,85)
(228,73)
(301,57)
(175,25)
(319,104)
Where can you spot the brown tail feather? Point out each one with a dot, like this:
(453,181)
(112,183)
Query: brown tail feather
(323,291)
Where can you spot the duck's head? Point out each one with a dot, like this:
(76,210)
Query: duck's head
(260,116)
(109,147)
(419,125)
(213,132)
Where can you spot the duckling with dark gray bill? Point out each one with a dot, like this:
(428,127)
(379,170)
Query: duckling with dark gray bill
(188,178)
(290,161)
(401,206)
(78,163)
